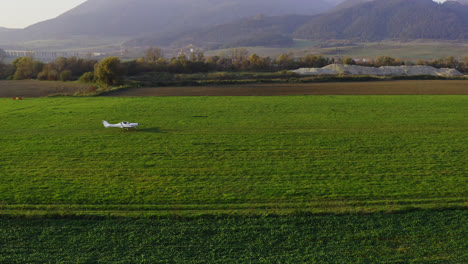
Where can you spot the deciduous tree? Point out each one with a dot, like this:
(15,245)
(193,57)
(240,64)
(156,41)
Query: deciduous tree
(348,61)
(26,68)
(153,54)
(109,72)
(285,61)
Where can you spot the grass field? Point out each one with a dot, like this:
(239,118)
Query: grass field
(234,155)
(294,179)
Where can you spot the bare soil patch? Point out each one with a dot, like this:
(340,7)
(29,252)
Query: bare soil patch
(351,88)
(33,88)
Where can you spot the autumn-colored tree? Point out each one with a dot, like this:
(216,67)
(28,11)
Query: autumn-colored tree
(348,61)
(465,60)
(108,72)
(153,54)
(258,63)
(285,61)
(314,61)
(239,54)
(61,64)
(239,58)
(464,65)
(197,56)
(387,61)
(254,61)
(451,62)
(26,68)
(421,62)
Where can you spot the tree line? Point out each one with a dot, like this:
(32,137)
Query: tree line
(112,71)
(448,62)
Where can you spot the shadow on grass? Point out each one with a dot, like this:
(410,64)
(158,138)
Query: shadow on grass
(152,130)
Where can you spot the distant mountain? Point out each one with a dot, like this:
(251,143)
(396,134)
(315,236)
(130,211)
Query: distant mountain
(348,4)
(353,19)
(227,23)
(254,31)
(2,29)
(463,2)
(391,19)
(136,17)
(334,2)
(5,34)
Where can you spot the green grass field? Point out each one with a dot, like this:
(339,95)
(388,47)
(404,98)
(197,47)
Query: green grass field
(294,179)
(233,155)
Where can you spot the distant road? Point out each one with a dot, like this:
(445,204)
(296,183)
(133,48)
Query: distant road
(349,88)
(49,55)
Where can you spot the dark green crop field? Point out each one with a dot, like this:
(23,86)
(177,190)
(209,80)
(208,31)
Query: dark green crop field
(416,237)
(233,155)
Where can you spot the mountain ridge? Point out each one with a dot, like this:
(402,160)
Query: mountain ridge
(365,20)
(216,24)
(135,17)
(391,19)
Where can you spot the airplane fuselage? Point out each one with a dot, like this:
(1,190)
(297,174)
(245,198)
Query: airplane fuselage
(124,125)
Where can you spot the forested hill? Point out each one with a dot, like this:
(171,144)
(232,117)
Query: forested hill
(391,19)
(254,31)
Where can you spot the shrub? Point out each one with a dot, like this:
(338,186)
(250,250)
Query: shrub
(42,76)
(93,89)
(86,78)
(66,76)
(52,75)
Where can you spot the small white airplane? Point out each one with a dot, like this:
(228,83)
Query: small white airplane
(124,125)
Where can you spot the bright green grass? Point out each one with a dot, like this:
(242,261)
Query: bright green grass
(246,155)
(416,237)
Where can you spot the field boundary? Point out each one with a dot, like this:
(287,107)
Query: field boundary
(251,209)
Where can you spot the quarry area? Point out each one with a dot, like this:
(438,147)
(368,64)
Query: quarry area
(342,69)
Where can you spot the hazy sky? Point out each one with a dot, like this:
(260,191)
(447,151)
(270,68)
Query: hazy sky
(23,13)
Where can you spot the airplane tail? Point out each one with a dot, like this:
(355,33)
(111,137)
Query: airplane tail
(106,124)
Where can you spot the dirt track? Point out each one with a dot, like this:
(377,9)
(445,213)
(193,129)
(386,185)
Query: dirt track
(33,88)
(39,89)
(355,88)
